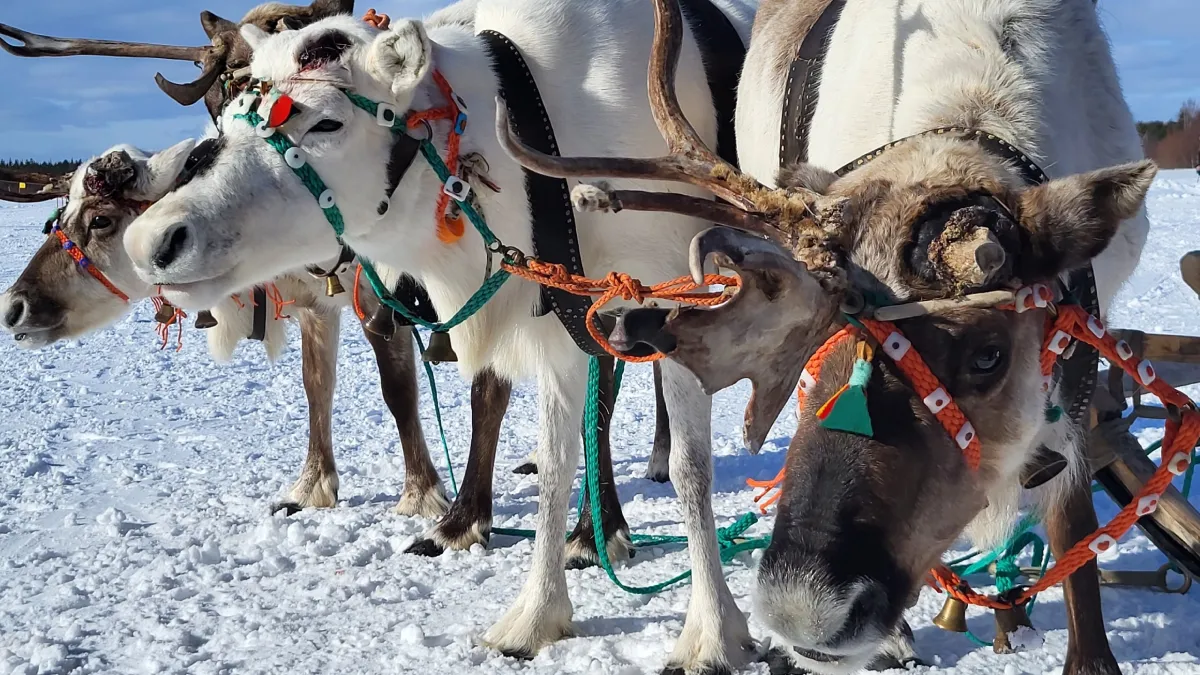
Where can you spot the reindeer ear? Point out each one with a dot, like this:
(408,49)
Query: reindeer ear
(806,177)
(214,25)
(156,175)
(1067,222)
(400,57)
(253,35)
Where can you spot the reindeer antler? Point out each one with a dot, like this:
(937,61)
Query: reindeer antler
(751,205)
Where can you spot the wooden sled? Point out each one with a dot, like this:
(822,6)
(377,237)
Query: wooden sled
(1119,462)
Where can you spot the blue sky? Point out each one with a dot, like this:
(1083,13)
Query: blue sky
(77,106)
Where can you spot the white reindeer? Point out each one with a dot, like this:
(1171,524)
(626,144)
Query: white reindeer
(247,217)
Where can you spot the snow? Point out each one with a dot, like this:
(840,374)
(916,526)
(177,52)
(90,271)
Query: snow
(135,535)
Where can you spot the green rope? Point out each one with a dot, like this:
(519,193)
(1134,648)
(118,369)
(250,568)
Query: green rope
(437,410)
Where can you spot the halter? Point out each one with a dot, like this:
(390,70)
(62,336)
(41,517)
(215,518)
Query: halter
(80,258)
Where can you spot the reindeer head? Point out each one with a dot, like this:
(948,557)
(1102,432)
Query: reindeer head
(861,519)
(245,217)
(53,298)
(225,63)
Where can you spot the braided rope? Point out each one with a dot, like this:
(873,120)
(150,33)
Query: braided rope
(86,264)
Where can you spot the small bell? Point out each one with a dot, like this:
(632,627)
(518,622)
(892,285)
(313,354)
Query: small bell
(205,320)
(382,322)
(953,616)
(1045,465)
(1009,621)
(333,286)
(439,349)
(165,313)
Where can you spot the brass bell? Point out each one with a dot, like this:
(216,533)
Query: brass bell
(165,313)
(1009,621)
(953,616)
(439,349)
(382,322)
(333,286)
(205,320)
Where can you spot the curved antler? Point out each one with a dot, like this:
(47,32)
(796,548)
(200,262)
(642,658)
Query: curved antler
(43,45)
(690,160)
(214,65)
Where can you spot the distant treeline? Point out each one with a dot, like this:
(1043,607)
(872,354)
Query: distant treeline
(28,166)
(1174,144)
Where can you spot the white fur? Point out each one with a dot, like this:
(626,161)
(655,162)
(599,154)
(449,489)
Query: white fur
(899,67)
(589,59)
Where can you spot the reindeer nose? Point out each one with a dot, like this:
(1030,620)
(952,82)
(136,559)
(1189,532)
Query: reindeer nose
(170,246)
(16,311)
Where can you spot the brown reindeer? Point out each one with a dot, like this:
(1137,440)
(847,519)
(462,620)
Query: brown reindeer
(468,520)
(863,517)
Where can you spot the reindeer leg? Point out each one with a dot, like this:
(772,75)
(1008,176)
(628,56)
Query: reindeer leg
(715,637)
(658,468)
(581,545)
(469,520)
(318,482)
(423,493)
(1067,522)
(541,613)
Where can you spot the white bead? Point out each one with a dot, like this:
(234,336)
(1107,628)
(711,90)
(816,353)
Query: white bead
(242,104)
(1146,374)
(965,435)
(1047,382)
(385,115)
(1058,343)
(937,400)
(807,381)
(1178,465)
(263,130)
(326,199)
(1124,351)
(457,188)
(1041,296)
(1024,300)
(1095,326)
(295,157)
(896,346)
(1147,505)
(1102,543)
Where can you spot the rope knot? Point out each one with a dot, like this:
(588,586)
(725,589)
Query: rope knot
(625,286)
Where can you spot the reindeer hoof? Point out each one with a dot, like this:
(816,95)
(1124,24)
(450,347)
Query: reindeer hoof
(779,663)
(425,547)
(889,662)
(526,469)
(288,508)
(706,670)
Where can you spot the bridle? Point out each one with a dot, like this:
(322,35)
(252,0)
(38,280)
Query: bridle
(79,256)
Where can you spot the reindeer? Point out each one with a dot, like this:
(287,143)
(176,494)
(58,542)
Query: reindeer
(220,231)
(920,220)
(54,299)
(468,521)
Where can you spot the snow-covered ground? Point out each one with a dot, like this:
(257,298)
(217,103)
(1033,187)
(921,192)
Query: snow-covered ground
(134,533)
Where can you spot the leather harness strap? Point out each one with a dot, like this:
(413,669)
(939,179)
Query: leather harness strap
(803,84)
(555,238)
(259,300)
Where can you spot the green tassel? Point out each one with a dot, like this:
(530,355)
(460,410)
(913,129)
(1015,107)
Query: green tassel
(847,409)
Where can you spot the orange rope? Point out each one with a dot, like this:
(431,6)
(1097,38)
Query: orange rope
(358,311)
(615,285)
(1180,437)
(449,229)
(164,329)
(82,260)
(276,297)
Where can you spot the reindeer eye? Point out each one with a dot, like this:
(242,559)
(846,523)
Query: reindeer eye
(987,360)
(326,126)
(100,223)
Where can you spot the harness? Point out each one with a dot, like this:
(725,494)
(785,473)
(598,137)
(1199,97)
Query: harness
(77,254)
(555,237)
(1078,368)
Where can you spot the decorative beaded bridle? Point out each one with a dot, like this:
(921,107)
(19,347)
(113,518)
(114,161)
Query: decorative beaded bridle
(79,256)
